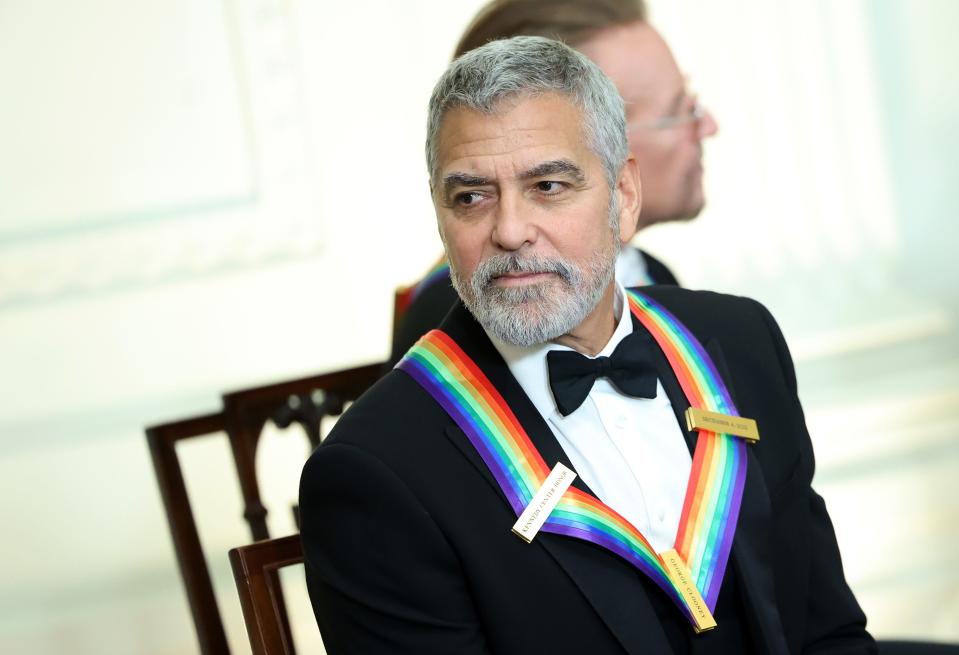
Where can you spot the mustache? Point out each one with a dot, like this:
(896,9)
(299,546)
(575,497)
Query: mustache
(504,264)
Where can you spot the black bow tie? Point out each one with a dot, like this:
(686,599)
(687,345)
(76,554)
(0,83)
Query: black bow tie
(630,368)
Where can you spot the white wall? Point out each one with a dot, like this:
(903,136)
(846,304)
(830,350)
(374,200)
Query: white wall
(201,196)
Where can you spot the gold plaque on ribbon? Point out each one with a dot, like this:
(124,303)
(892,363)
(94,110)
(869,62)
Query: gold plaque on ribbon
(701,419)
(680,576)
(543,502)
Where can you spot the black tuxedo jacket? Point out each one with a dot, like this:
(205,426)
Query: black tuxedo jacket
(432,304)
(407,537)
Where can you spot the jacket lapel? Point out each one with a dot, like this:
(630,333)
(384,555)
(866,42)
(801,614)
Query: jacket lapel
(614,590)
(748,558)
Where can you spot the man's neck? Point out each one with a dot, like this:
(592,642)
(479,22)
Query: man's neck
(592,335)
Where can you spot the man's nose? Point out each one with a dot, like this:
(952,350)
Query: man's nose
(707,125)
(514,226)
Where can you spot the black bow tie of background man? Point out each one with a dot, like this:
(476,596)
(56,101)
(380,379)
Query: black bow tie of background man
(630,368)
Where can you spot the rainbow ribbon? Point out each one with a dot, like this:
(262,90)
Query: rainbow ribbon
(713,494)
(718,474)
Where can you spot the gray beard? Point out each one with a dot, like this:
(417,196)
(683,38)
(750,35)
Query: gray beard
(535,313)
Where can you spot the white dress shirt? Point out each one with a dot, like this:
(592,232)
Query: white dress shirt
(631,269)
(630,451)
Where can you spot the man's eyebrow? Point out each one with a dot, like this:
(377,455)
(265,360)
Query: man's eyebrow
(455,179)
(554,167)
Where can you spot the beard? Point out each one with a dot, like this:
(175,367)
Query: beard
(536,313)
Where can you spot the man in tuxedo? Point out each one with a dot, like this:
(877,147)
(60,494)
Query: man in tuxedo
(406,524)
(665,125)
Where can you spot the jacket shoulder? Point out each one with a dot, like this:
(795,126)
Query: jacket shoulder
(707,308)
(393,421)
(744,327)
(659,273)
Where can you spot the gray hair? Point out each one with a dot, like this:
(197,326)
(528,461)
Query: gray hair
(532,65)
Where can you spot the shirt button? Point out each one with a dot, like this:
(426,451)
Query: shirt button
(661,515)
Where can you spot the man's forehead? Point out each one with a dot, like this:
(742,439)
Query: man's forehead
(519,111)
(516,164)
(525,133)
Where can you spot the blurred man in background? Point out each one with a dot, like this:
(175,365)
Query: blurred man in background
(665,126)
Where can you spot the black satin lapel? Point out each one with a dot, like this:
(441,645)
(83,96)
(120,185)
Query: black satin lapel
(614,589)
(750,545)
(608,583)
(751,554)
(462,443)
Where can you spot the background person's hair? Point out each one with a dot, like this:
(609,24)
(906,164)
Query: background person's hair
(569,21)
(527,66)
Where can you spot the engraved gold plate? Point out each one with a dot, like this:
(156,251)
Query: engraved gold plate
(543,502)
(680,576)
(701,419)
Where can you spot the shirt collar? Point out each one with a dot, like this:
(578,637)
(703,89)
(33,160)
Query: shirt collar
(631,269)
(528,364)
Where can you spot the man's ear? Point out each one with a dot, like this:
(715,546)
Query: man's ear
(630,193)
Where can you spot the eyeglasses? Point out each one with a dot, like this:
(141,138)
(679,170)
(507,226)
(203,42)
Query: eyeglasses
(693,115)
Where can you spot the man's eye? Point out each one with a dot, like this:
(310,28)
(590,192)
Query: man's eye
(549,187)
(468,198)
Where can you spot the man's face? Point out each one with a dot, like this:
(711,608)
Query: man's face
(523,207)
(663,136)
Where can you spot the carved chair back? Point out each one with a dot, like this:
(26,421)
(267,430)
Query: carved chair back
(305,401)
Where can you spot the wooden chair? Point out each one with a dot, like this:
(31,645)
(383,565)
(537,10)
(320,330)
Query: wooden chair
(162,440)
(304,401)
(255,569)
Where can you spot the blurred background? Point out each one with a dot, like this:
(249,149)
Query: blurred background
(198,196)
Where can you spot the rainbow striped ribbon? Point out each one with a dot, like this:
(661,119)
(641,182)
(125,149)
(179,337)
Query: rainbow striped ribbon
(715,488)
(708,520)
